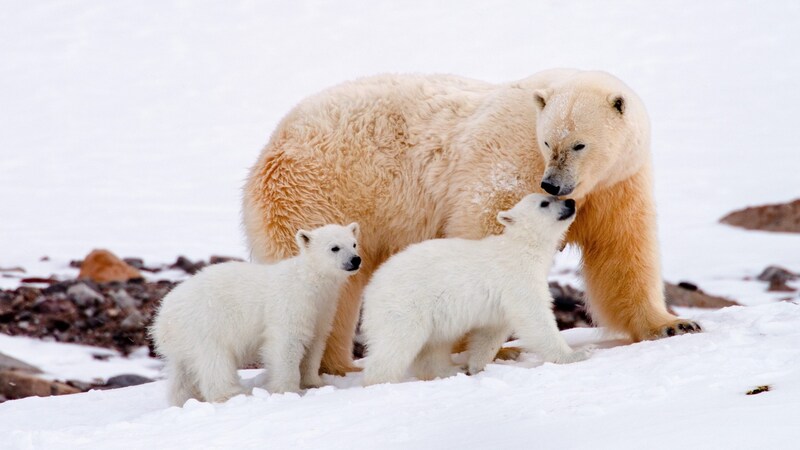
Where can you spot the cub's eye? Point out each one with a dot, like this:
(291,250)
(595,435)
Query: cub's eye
(579,147)
(544,204)
(354,245)
(546,144)
(335,249)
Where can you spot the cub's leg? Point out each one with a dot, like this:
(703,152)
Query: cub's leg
(484,344)
(434,362)
(216,375)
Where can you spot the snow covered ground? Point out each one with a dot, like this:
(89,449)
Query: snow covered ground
(687,391)
(131,125)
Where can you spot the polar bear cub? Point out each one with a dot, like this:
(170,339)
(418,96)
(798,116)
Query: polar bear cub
(422,300)
(237,313)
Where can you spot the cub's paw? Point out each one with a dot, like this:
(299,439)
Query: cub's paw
(508,353)
(576,355)
(312,383)
(680,326)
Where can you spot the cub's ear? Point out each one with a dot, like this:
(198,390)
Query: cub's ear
(540,97)
(505,218)
(617,101)
(353,227)
(303,239)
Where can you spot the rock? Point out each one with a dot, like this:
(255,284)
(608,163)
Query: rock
(126,380)
(12,269)
(221,259)
(782,217)
(187,265)
(15,384)
(103,266)
(777,278)
(83,295)
(124,300)
(134,321)
(692,296)
(9,363)
(777,273)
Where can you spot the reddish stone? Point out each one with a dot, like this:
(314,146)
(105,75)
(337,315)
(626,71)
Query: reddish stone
(103,266)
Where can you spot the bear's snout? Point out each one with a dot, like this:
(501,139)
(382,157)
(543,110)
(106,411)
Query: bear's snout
(568,210)
(353,264)
(550,188)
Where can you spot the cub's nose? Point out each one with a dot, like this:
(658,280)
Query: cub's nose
(550,188)
(569,203)
(354,263)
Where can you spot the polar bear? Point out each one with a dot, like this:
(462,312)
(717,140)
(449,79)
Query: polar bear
(236,313)
(416,157)
(421,301)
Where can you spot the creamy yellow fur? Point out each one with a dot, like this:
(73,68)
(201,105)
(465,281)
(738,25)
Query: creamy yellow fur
(417,157)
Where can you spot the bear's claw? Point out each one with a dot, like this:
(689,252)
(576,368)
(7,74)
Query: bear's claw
(678,328)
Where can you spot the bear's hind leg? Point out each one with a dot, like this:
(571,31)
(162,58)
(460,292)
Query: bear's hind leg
(484,344)
(217,377)
(434,361)
(182,384)
(389,357)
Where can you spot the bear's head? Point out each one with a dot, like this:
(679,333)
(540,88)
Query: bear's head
(539,218)
(331,249)
(593,132)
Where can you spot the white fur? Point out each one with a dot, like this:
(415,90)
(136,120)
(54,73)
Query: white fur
(422,300)
(237,313)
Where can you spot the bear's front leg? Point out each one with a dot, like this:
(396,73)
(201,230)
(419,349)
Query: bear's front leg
(533,321)
(309,367)
(616,230)
(281,358)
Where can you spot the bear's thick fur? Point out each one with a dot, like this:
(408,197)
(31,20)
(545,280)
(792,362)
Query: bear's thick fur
(237,313)
(418,157)
(421,301)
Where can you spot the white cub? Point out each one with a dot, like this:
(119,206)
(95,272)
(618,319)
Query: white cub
(237,313)
(422,300)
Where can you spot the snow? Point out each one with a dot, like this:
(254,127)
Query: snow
(131,126)
(689,389)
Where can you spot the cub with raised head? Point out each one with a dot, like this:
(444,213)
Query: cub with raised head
(425,298)
(237,313)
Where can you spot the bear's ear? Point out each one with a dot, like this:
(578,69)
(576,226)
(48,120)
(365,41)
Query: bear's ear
(617,101)
(540,97)
(303,239)
(505,218)
(353,227)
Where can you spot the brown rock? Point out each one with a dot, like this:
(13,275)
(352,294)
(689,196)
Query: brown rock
(103,266)
(15,384)
(782,217)
(689,295)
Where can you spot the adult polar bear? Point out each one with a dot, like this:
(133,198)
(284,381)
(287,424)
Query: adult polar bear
(418,157)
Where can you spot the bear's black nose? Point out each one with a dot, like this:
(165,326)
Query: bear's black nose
(569,203)
(550,188)
(355,262)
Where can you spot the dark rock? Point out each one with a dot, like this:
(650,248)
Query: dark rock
(221,259)
(187,265)
(126,380)
(687,285)
(777,273)
(134,321)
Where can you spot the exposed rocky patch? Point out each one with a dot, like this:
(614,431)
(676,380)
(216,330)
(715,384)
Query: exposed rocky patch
(781,217)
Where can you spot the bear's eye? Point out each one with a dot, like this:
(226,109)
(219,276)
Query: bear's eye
(546,144)
(579,147)
(335,249)
(354,245)
(544,204)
